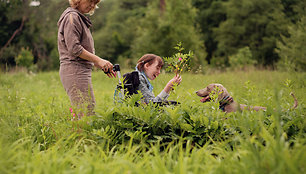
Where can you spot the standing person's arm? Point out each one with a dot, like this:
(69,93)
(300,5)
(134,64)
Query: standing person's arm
(72,37)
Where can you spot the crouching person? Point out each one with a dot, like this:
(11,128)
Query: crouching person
(148,68)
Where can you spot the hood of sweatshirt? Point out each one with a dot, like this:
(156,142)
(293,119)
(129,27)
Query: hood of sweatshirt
(84,18)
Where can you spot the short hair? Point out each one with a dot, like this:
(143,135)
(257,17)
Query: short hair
(75,4)
(150,59)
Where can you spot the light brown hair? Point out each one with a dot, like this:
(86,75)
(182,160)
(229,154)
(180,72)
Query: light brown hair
(75,4)
(150,59)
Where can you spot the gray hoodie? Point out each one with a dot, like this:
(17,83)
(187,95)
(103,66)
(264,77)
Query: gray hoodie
(73,36)
(148,95)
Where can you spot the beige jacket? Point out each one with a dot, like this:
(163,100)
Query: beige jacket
(73,36)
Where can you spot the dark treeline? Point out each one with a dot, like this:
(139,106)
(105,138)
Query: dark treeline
(221,33)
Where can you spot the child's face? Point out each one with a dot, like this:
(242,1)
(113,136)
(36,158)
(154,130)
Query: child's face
(152,71)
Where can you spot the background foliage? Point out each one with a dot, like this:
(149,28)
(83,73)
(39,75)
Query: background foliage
(123,30)
(37,134)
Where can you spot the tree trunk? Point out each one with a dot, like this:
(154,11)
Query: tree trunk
(14,34)
(162,6)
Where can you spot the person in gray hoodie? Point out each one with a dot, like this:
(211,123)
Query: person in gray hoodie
(77,55)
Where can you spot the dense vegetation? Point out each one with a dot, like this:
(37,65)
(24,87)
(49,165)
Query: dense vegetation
(38,135)
(221,33)
(228,39)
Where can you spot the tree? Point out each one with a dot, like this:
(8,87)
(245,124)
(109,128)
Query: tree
(256,24)
(292,48)
(33,27)
(115,33)
(12,24)
(289,10)
(42,33)
(160,32)
(210,13)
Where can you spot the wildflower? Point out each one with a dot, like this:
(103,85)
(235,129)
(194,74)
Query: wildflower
(73,114)
(179,61)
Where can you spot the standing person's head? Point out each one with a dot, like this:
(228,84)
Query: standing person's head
(151,65)
(84,6)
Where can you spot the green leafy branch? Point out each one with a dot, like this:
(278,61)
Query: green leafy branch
(179,61)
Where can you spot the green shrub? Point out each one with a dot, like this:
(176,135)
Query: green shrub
(25,58)
(242,59)
(38,135)
(292,49)
(219,62)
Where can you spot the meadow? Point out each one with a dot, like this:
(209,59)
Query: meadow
(37,134)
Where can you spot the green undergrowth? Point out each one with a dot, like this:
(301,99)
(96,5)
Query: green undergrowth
(39,136)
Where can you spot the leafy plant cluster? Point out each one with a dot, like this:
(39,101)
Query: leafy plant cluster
(179,61)
(154,124)
(242,59)
(25,58)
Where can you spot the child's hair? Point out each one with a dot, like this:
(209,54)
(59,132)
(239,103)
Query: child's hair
(150,59)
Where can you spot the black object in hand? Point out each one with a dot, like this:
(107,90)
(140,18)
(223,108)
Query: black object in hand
(116,67)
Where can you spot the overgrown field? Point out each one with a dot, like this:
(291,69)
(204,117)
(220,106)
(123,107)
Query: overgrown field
(38,136)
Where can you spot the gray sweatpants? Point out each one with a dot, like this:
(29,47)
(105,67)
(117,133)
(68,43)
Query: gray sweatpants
(76,79)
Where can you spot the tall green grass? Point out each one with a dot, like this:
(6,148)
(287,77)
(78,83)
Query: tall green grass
(38,136)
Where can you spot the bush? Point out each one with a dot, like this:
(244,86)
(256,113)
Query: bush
(174,24)
(242,59)
(219,62)
(25,58)
(292,49)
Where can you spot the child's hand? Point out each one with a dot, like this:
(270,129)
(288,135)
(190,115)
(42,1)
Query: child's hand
(175,80)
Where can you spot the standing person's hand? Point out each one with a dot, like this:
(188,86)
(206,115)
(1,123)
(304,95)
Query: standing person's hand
(107,67)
